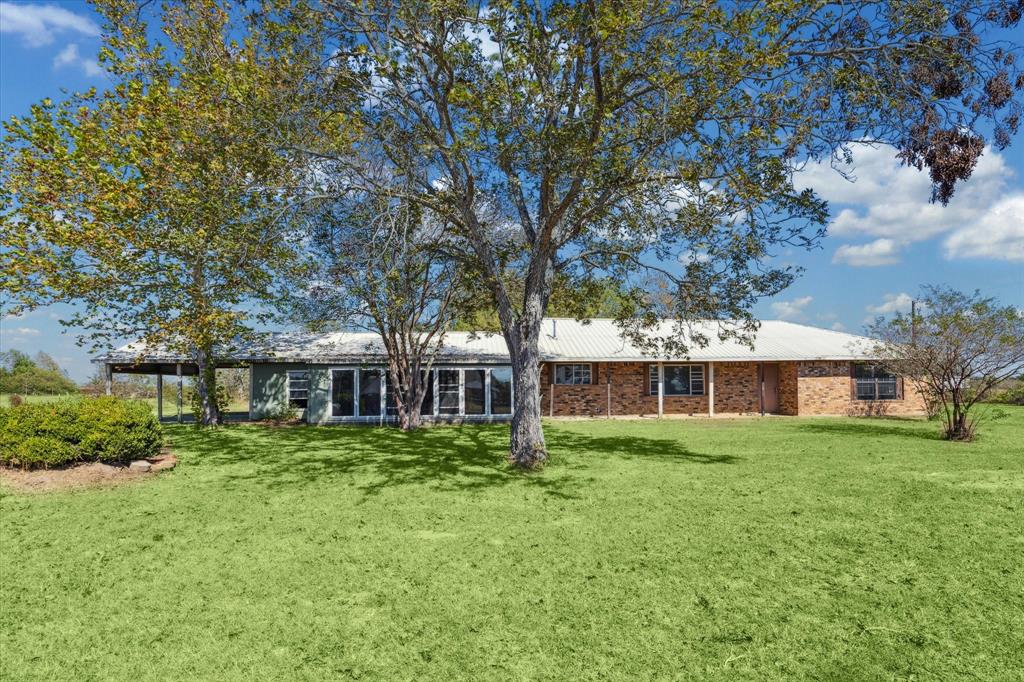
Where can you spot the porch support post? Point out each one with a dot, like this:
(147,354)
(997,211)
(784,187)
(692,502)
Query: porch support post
(160,395)
(108,378)
(178,369)
(760,384)
(661,390)
(711,389)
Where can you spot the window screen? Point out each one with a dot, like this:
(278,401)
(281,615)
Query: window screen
(447,391)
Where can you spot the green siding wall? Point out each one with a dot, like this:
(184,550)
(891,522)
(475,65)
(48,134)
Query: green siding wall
(270,390)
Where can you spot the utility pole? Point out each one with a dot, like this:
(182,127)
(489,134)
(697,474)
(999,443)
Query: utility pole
(913,323)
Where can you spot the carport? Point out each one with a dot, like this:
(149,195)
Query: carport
(175,367)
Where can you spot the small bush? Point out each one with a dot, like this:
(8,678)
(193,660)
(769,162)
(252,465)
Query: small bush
(105,429)
(16,400)
(281,414)
(1010,396)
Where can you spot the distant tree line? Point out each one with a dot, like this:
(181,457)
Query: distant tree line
(42,375)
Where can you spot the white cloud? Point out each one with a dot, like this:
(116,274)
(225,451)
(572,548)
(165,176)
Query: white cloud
(892,303)
(998,234)
(791,310)
(39,24)
(838,327)
(69,56)
(480,32)
(691,256)
(890,203)
(879,252)
(26,331)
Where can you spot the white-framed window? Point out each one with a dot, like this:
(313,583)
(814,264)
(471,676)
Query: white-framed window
(572,374)
(875,383)
(298,388)
(679,379)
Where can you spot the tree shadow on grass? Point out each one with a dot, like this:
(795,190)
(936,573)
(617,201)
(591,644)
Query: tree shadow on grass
(470,457)
(634,447)
(902,427)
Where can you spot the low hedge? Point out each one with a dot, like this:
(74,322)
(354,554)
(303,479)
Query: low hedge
(104,429)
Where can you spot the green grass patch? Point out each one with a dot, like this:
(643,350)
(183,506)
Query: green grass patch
(732,549)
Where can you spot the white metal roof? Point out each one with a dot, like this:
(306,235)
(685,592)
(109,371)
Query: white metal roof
(563,339)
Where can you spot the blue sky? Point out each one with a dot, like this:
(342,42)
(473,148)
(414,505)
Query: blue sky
(885,239)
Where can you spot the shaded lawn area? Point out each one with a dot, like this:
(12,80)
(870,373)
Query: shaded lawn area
(731,549)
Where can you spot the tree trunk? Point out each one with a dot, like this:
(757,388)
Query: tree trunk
(957,427)
(527,449)
(408,397)
(206,387)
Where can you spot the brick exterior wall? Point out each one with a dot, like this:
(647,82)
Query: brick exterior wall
(825,388)
(737,388)
(805,388)
(789,400)
(629,393)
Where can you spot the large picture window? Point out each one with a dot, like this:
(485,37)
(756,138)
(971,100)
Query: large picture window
(298,389)
(875,383)
(501,390)
(679,379)
(572,374)
(475,397)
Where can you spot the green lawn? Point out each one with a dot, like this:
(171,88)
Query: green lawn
(5,398)
(749,549)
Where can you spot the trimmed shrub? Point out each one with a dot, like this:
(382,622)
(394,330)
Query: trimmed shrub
(118,430)
(104,429)
(15,400)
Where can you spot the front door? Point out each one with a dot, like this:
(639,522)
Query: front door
(770,387)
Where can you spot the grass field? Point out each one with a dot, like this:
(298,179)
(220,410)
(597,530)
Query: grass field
(827,549)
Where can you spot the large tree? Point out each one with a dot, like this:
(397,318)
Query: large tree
(956,350)
(641,137)
(385,265)
(155,204)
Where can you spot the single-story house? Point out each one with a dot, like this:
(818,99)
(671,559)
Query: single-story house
(588,370)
